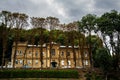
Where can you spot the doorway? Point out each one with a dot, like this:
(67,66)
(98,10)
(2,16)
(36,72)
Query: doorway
(54,64)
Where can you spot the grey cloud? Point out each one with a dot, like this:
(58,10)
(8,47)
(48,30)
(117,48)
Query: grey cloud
(106,4)
(72,9)
(102,6)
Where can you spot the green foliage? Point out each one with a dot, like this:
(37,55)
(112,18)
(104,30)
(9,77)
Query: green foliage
(93,76)
(38,74)
(103,59)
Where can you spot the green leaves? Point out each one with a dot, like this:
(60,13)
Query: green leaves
(103,59)
(39,74)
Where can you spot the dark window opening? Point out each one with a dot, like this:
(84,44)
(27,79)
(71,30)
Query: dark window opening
(53,52)
(54,64)
(68,53)
(62,54)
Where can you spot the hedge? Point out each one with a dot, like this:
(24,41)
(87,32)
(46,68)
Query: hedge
(39,74)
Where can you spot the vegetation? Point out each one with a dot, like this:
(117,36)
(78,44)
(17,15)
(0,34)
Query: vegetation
(100,34)
(39,74)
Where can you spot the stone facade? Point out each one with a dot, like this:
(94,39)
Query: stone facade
(29,56)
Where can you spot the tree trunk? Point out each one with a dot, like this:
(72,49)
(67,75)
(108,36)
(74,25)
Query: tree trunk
(25,55)
(106,77)
(32,55)
(14,56)
(81,49)
(74,54)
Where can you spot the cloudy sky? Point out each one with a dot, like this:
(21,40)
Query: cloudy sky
(66,10)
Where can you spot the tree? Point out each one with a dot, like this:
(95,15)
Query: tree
(88,23)
(52,22)
(5,28)
(96,43)
(82,41)
(108,26)
(19,21)
(39,23)
(104,60)
(72,34)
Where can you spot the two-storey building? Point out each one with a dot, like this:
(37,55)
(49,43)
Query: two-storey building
(56,56)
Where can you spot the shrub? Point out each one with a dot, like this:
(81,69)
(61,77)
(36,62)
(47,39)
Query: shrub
(39,74)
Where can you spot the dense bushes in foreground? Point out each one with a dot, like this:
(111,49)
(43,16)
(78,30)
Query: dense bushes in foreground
(38,74)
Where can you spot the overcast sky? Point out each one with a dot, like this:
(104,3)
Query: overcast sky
(66,10)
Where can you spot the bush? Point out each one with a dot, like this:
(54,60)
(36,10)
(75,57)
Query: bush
(39,74)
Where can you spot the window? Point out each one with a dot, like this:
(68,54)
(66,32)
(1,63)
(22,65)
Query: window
(30,52)
(85,53)
(36,61)
(36,53)
(69,63)
(42,62)
(68,53)
(86,62)
(43,54)
(17,52)
(62,54)
(53,52)
(20,52)
(29,62)
(16,61)
(21,61)
(62,62)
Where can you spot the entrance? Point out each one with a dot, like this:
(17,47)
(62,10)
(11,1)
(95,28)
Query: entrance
(54,64)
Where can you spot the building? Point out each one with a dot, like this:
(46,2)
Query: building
(61,56)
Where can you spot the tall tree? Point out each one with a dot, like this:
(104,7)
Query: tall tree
(20,22)
(88,23)
(108,26)
(5,19)
(40,23)
(71,27)
(52,22)
(104,60)
(82,41)
(96,43)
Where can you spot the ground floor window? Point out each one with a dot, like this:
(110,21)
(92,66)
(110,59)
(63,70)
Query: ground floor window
(16,61)
(62,62)
(86,62)
(21,61)
(36,61)
(69,63)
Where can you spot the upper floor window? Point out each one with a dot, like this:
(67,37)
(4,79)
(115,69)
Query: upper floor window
(53,52)
(62,54)
(43,53)
(36,53)
(42,62)
(17,52)
(20,52)
(36,61)
(68,53)
(30,52)
(86,54)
